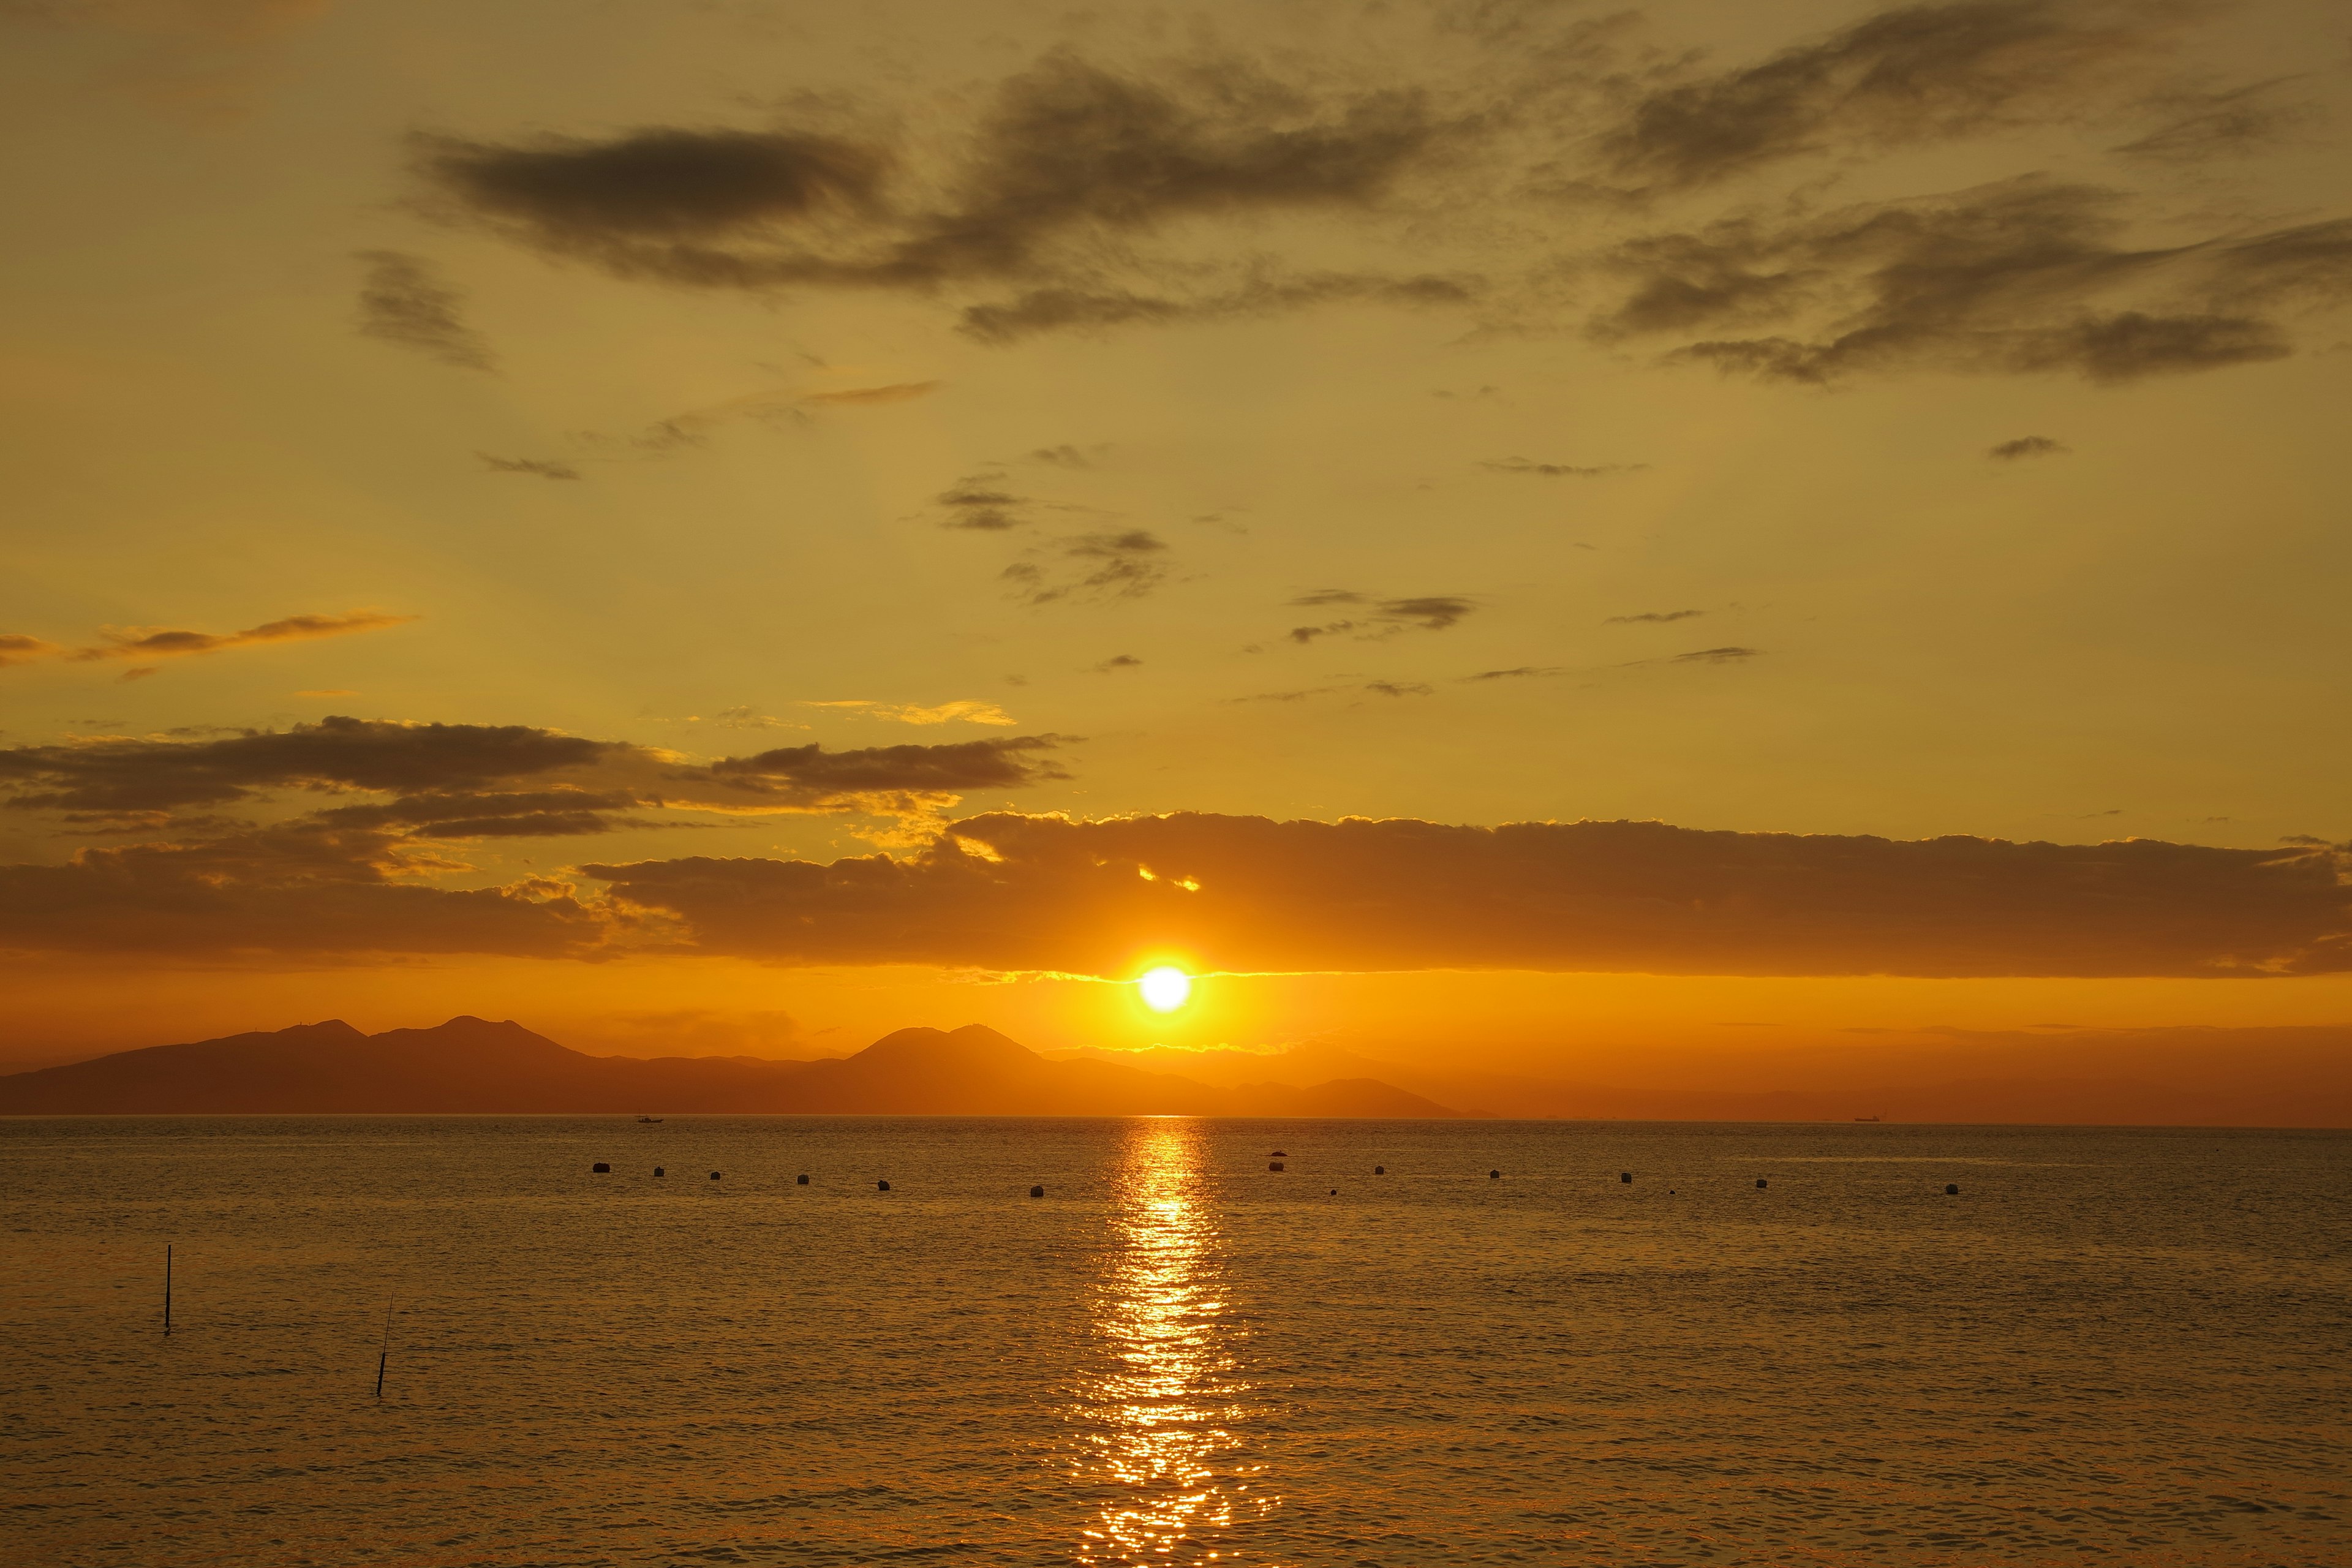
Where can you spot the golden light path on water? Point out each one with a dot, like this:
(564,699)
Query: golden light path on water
(1158,1423)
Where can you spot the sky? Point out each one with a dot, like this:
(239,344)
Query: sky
(1692,541)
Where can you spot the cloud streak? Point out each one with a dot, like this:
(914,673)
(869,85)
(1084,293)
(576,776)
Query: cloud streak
(160,642)
(404,301)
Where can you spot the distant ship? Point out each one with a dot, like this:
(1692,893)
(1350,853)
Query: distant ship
(1857,1118)
(653,1119)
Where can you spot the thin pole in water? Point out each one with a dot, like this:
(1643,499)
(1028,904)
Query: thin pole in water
(167,1287)
(384,1354)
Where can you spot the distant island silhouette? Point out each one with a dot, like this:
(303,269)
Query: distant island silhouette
(472,1066)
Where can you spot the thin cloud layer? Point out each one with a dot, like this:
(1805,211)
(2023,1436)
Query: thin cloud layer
(1561,471)
(1010,892)
(964,709)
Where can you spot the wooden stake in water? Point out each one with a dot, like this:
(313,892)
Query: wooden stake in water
(384,1354)
(167,1287)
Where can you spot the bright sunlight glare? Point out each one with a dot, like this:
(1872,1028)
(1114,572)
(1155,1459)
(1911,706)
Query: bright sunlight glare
(1165,988)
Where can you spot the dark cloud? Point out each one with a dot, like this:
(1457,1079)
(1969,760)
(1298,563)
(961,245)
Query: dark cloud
(1375,688)
(293,890)
(1069,163)
(1125,564)
(545,469)
(810,776)
(1516,672)
(15,647)
(1069,456)
(1660,617)
(980,502)
(1561,471)
(2233,123)
(1712,655)
(2025,447)
(2027,276)
(1386,617)
(897,392)
(1014,892)
(655,187)
(1915,74)
(1432,612)
(403,302)
(1118,661)
(494,813)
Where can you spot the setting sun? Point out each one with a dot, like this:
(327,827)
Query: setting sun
(1165,988)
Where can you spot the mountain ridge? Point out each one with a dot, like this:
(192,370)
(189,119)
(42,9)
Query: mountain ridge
(470,1066)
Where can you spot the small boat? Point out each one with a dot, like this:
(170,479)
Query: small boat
(1866,1119)
(649,1120)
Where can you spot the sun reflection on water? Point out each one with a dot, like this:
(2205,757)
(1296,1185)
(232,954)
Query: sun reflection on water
(1159,1424)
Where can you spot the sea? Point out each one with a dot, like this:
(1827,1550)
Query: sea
(452,1341)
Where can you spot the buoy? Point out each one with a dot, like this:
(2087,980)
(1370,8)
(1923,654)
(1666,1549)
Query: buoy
(714,1175)
(1273,1165)
(601,1168)
(1951,1189)
(1494,1176)
(1379,1169)
(659,1172)
(1036,1191)
(881,1186)
(1335,1192)
(1280,1154)
(1760,1182)
(804,1179)
(1624,1176)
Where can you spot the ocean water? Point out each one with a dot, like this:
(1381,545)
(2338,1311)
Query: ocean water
(2113,1346)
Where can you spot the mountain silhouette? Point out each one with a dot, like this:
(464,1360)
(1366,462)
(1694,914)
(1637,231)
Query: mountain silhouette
(471,1066)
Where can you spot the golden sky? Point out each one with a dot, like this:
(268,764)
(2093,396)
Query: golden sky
(1546,533)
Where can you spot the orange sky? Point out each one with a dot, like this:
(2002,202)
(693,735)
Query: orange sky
(737,528)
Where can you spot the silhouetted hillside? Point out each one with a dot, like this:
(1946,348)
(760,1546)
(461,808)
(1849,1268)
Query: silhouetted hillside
(472,1066)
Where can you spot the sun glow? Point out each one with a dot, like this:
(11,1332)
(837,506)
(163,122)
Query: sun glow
(1165,988)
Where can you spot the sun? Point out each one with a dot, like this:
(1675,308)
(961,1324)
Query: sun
(1165,988)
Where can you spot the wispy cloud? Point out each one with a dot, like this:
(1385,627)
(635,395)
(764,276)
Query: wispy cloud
(404,301)
(965,711)
(1561,471)
(1659,617)
(545,469)
(160,642)
(1123,564)
(2025,447)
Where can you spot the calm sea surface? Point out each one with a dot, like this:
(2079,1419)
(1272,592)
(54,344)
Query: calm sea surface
(2116,1347)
